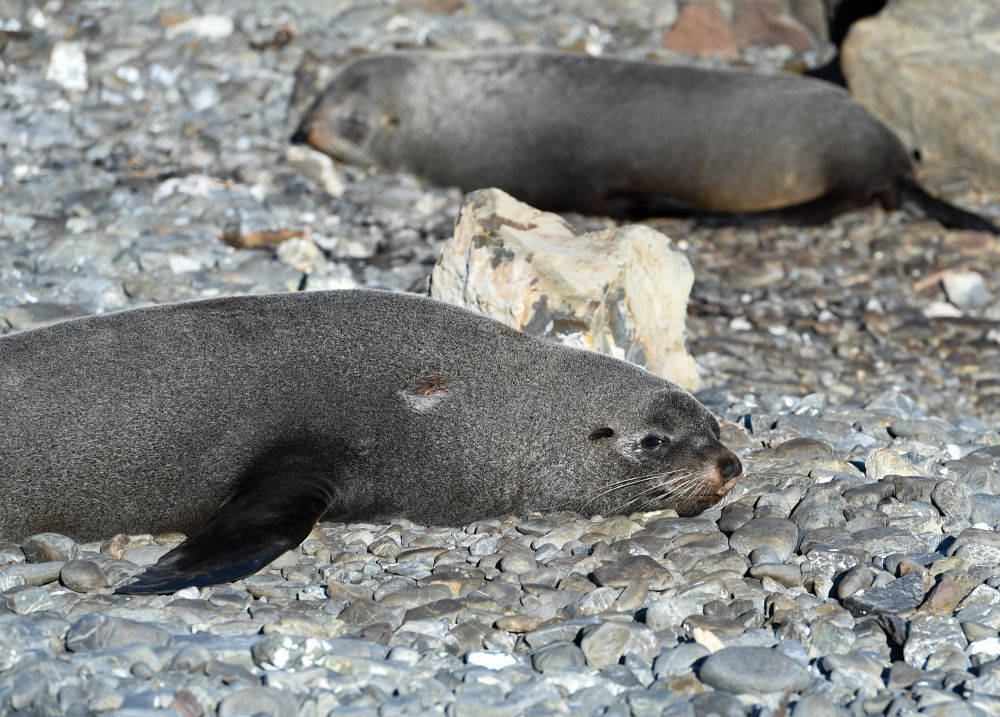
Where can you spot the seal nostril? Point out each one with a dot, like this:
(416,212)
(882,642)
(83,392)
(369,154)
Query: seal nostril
(730,467)
(301,136)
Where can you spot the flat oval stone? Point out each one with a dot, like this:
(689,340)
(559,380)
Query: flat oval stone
(35,573)
(786,574)
(82,576)
(779,534)
(558,655)
(640,567)
(801,449)
(753,669)
(100,632)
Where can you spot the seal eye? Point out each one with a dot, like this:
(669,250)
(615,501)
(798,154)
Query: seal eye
(601,433)
(652,442)
(355,127)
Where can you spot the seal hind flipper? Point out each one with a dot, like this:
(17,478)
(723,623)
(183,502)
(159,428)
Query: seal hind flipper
(948,214)
(272,512)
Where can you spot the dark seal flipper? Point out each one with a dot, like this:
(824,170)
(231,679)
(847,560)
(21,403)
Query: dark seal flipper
(273,512)
(948,214)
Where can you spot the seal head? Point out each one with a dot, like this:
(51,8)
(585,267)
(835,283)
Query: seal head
(664,453)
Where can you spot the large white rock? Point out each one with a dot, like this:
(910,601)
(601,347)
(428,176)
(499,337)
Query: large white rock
(621,291)
(931,71)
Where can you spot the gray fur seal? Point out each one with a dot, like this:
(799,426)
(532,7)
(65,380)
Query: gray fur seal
(241,421)
(622,138)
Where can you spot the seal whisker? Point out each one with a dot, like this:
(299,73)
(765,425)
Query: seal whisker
(655,500)
(684,476)
(679,491)
(619,484)
(650,477)
(666,489)
(690,490)
(689,487)
(621,506)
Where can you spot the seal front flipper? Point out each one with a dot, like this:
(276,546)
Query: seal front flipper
(272,512)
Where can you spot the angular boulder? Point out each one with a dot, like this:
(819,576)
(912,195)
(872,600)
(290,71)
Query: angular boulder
(622,291)
(929,70)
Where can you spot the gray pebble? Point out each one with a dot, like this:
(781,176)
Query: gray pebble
(597,601)
(784,573)
(754,670)
(952,499)
(815,706)
(35,573)
(854,580)
(557,655)
(28,599)
(517,563)
(779,534)
(100,632)
(984,508)
(900,595)
(257,700)
(679,659)
(145,555)
(930,633)
(49,547)
(640,567)
(82,576)
(764,554)
(604,644)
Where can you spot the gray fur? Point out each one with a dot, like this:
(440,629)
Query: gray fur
(612,136)
(148,420)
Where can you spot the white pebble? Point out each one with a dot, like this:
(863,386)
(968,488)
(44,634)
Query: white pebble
(209,26)
(491,660)
(989,646)
(68,66)
(941,310)
(966,289)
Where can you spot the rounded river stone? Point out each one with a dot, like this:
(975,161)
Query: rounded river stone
(753,669)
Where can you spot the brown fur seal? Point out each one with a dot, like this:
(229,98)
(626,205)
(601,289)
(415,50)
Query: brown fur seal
(622,138)
(244,420)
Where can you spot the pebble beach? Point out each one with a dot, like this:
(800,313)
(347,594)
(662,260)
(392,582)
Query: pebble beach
(854,367)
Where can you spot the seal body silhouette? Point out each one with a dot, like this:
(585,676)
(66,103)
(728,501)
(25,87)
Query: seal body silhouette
(618,137)
(241,421)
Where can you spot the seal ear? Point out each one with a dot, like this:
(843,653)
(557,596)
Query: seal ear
(272,512)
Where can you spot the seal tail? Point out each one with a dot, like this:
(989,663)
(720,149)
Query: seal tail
(910,192)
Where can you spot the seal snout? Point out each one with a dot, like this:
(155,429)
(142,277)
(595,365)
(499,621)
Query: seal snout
(730,472)
(301,135)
